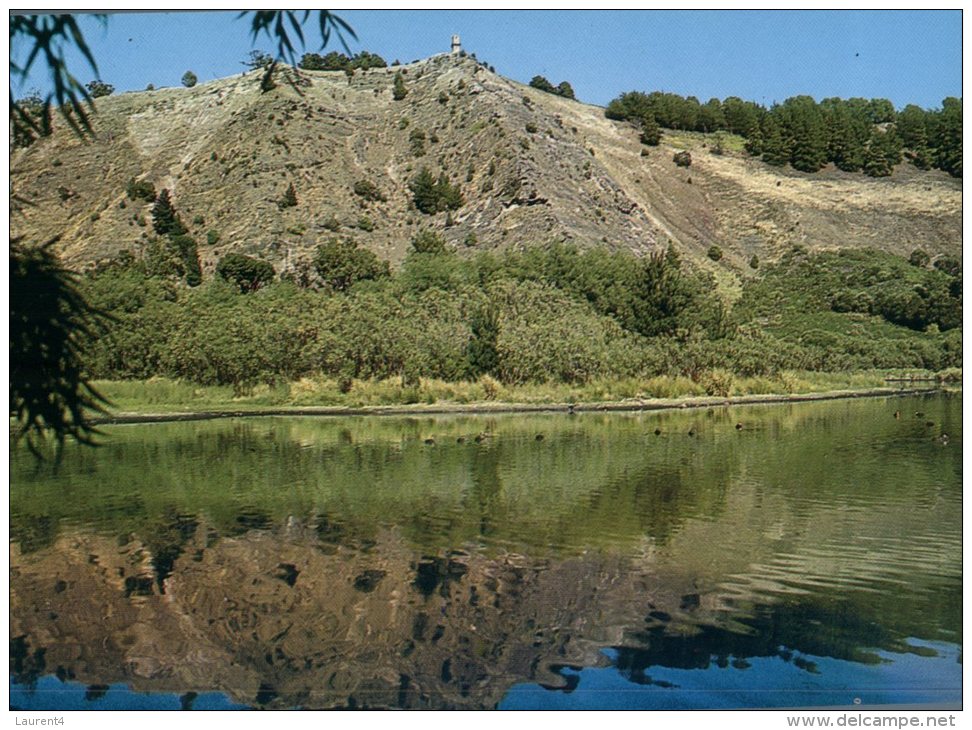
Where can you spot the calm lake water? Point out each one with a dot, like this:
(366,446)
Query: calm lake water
(810,558)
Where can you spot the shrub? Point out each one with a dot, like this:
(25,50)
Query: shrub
(366,224)
(531,128)
(165,220)
(289,199)
(248,274)
(399,91)
(432,196)
(368,190)
(714,253)
(754,262)
(141,189)
(189,79)
(340,263)
(919,258)
(212,237)
(99,88)
(949,264)
(683,159)
(428,242)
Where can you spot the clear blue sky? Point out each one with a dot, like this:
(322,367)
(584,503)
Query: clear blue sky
(765,56)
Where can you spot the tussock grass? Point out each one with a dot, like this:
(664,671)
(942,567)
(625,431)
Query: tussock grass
(166,395)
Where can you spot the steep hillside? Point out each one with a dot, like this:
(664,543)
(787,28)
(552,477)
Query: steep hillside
(533,167)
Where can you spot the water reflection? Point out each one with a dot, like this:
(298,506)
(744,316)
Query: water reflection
(312,563)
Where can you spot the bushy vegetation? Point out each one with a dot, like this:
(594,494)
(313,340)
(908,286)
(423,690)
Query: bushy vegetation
(555,314)
(563,89)
(432,195)
(855,135)
(247,273)
(99,88)
(335,61)
(189,79)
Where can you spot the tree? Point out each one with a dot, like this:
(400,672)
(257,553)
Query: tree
(99,88)
(247,273)
(429,242)
(565,90)
(805,126)
(919,258)
(449,196)
(539,82)
(424,193)
(189,79)
(650,131)
(714,253)
(775,147)
(340,263)
(882,154)
(52,328)
(257,60)
(165,220)
(289,199)
(949,137)
(399,91)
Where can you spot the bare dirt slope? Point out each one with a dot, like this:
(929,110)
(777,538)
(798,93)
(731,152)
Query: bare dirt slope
(533,168)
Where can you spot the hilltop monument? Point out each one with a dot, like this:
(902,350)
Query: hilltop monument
(456,45)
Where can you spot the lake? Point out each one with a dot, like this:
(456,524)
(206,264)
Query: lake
(804,555)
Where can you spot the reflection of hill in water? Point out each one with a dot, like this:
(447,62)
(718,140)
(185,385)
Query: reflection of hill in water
(295,563)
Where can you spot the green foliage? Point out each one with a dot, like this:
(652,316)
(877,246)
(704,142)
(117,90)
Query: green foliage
(416,139)
(189,79)
(919,258)
(366,224)
(433,196)
(715,253)
(141,190)
(650,131)
(531,128)
(212,237)
(185,247)
(754,262)
(399,91)
(248,274)
(563,89)
(949,265)
(165,220)
(428,242)
(52,330)
(882,154)
(682,159)
(289,199)
(340,263)
(258,60)
(99,88)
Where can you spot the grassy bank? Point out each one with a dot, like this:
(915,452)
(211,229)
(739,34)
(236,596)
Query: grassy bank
(160,395)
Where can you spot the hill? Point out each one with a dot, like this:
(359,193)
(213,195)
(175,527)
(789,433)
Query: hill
(532,167)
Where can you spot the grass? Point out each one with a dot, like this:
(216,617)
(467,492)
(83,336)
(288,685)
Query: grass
(162,395)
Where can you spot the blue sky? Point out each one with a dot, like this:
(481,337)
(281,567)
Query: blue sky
(765,56)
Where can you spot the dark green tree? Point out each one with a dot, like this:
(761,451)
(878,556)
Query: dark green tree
(165,219)
(949,137)
(99,88)
(424,193)
(247,273)
(399,91)
(539,82)
(341,262)
(565,90)
(919,258)
(483,352)
(775,147)
(429,242)
(650,131)
(189,79)
(289,199)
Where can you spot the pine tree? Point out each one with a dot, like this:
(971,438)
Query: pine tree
(289,199)
(883,153)
(424,191)
(650,131)
(805,126)
(775,147)
(449,196)
(165,220)
(949,147)
(399,91)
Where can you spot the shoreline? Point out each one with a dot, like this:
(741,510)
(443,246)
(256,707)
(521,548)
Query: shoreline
(631,405)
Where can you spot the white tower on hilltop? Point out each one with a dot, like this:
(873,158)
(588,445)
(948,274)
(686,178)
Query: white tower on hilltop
(456,46)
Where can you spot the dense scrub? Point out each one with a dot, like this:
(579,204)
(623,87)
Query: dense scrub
(552,314)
